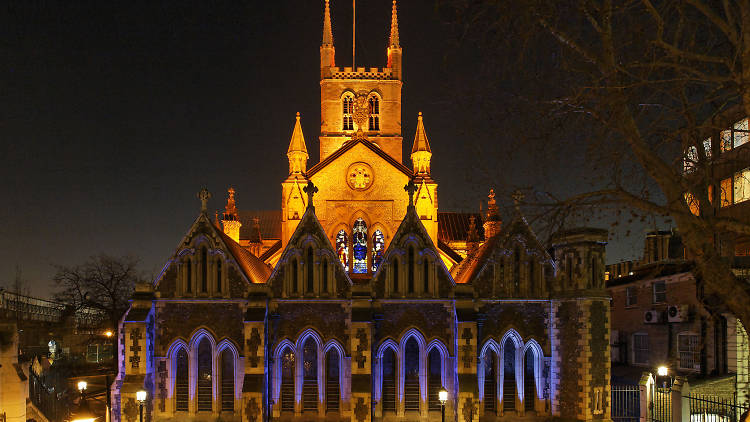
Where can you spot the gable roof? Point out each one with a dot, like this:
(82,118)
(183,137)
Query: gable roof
(454,226)
(470,267)
(269,221)
(253,269)
(349,145)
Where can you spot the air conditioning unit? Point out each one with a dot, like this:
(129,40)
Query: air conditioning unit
(678,313)
(652,317)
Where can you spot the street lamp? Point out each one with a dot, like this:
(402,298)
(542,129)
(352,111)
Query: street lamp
(108,333)
(663,373)
(83,413)
(443,397)
(141,397)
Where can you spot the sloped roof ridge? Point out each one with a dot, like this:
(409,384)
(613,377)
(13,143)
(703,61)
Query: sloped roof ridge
(349,145)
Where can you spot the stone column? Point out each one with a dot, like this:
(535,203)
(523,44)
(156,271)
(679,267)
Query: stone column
(253,385)
(463,400)
(360,337)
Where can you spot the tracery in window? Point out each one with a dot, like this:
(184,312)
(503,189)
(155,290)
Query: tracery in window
(378,248)
(342,249)
(359,247)
(374,108)
(348,113)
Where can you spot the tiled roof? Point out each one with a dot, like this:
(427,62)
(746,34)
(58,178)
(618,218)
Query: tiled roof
(453,226)
(468,268)
(255,270)
(651,271)
(269,220)
(270,251)
(448,251)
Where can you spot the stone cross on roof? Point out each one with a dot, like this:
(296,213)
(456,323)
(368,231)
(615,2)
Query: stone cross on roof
(517,197)
(310,190)
(204,195)
(411,188)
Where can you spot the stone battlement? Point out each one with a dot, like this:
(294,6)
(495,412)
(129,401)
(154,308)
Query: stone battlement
(361,73)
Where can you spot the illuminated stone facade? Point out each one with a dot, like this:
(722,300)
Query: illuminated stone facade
(353,303)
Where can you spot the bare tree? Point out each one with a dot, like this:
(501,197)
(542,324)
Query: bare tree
(642,83)
(102,282)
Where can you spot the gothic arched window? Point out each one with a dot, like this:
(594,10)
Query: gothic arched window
(490,382)
(434,379)
(388,363)
(378,249)
(218,276)
(205,376)
(287,380)
(294,275)
(181,381)
(410,279)
(509,375)
(374,109)
(395,275)
(324,276)
(359,247)
(342,249)
(310,375)
(426,275)
(204,270)
(332,380)
(227,380)
(310,287)
(411,375)
(529,381)
(348,113)
(189,276)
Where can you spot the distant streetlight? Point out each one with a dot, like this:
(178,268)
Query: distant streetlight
(662,371)
(443,397)
(82,386)
(108,333)
(140,396)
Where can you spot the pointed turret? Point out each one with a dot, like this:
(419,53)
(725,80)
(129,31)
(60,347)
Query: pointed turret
(229,219)
(492,221)
(394,49)
(327,50)
(421,154)
(297,152)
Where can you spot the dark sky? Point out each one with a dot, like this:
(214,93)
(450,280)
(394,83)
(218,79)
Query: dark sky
(114,114)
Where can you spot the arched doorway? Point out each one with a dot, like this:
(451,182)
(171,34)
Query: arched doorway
(310,375)
(509,375)
(287,380)
(227,380)
(529,381)
(389,380)
(411,375)
(490,381)
(205,376)
(332,380)
(434,379)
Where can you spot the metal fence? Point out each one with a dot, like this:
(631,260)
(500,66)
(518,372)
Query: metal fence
(704,408)
(49,398)
(661,404)
(626,403)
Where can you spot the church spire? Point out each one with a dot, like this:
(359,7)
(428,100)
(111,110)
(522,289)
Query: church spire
(394,26)
(230,219)
(394,48)
(421,154)
(327,51)
(297,152)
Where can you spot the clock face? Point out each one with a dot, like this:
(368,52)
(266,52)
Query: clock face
(359,176)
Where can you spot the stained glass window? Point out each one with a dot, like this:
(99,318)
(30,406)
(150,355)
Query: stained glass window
(342,248)
(359,247)
(378,249)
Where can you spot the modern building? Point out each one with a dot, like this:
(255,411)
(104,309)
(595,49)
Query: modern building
(359,300)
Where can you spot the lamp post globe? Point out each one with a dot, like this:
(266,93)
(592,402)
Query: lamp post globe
(140,396)
(442,397)
(82,386)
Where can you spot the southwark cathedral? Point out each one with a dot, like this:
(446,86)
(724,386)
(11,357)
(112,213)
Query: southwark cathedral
(359,300)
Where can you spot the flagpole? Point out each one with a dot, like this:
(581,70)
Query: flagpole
(354,34)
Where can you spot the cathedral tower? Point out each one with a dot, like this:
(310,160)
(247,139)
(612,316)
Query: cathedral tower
(230,220)
(292,198)
(361,99)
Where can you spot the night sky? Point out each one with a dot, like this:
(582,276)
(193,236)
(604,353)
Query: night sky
(113,115)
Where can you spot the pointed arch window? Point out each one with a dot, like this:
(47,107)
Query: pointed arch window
(517,271)
(218,276)
(227,380)
(411,375)
(205,376)
(395,275)
(287,380)
(509,375)
(359,247)
(204,270)
(189,276)
(348,113)
(310,375)
(410,279)
(310,284)
(529,381)
(426,275)
(490,382)
(434,380)
(295,275)
(324,276)
(374,109)
(342,249)
(378,249)
(181,381)
(332,380)
(389,380)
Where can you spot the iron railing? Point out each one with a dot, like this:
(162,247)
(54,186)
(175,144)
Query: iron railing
(704,408)
(626,403)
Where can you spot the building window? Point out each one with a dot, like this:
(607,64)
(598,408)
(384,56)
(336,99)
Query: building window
(227,380)
(205,377)
(660,292)
(342,248)
(204,270)
(324,276)
(509,375)
(348,113)
(310,375)
(310,275)
(287,380)
(640,349)
(395,275)
(736,136)
(410,278)
(332,380)
(181,381)
(490,382)
(189,276)
(359,247)
(388,363)
(294,275)
(378,248)
(741,186)
(411,375)
(631,296)
(687,347)
(374,104)
(218,276)
(434,379)
(426,275)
